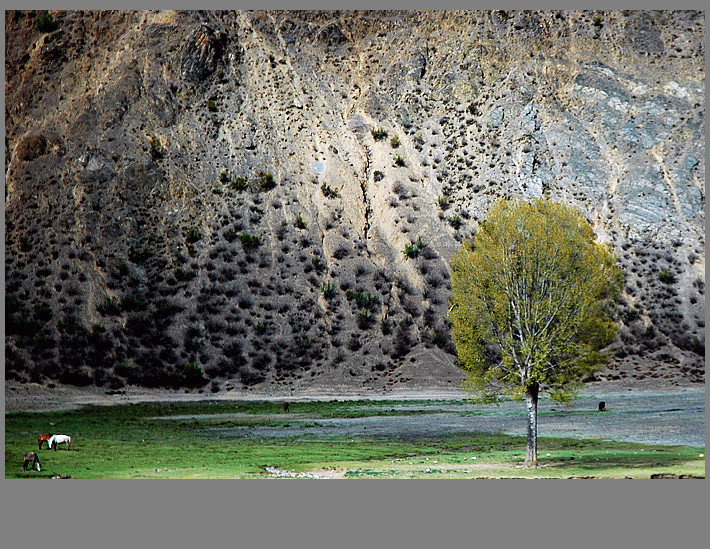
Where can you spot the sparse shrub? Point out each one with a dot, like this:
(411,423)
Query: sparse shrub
(127,371)
(239,184)
(378,134)
(413,249)
(249,376)
(378,175)
(24,326)
(443,202)
(597,21)
(630,315)
(230,235)
(402,342)
(75,376)
(666,277)
(155,150)
(266,182)
(329,290)
(328,192)
(193,235)
(364,300)
(317,263)
(300,223)
(455,221)
(192,376)
(365,320)
(211,105)
(249,241)
(184,275)
(139,324)
(43,312)
(165,309)
(133,303)
(301,345)
(394,141)
(386,327)
(400,161)
(139,255)
(45,22)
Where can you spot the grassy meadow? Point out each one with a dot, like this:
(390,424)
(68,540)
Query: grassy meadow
(140,441)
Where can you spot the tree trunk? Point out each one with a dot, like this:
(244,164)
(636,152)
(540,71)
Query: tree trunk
(531,395)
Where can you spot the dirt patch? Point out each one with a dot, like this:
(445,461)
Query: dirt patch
(32,397)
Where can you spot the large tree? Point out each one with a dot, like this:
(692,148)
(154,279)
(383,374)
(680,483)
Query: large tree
(533,300)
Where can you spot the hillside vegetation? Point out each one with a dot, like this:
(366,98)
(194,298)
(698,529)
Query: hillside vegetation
(272,199)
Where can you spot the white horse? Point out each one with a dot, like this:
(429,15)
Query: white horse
(59,439)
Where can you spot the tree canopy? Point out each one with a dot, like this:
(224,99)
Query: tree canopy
(533,301)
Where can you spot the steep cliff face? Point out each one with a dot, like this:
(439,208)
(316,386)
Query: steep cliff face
(235,190)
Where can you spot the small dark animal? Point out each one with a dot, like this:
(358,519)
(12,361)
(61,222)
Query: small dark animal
(31,462)
(602,406)
(286,407)
(44,437)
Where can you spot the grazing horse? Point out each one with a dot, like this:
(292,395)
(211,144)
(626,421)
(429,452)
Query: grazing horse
(59,439)
(286,407)
(31,462)
(44,437)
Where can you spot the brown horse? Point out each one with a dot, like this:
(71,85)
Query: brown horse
(44,437)
(31,462)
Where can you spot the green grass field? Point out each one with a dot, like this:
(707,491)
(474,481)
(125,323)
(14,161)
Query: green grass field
(131,441)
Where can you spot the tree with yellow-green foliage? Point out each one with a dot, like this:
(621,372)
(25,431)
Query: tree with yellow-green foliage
(532,305)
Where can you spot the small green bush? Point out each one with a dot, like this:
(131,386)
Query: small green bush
(443,202)
(365,320)
(239,184)
(109,306)
(223,176)
(44,22)
(394,141)
(378,175)
(317,263)
(666,277)
(139,255)
(328,192)
(266,182)
(193,235)
(249,241)
(300,223)
(211,105)
(139,324)
(379,134)
(329,290)
(399,161)
(193,376)
(455,221)
(230,235)
(412,250)
(133,303)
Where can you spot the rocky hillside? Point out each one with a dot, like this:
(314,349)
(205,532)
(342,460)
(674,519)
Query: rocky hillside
(227,196)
